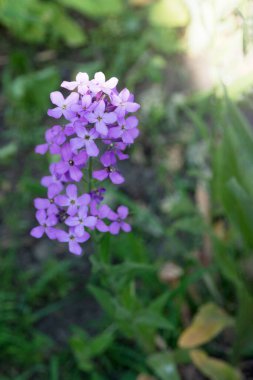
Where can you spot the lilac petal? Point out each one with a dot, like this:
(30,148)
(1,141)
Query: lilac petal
(116,178)
(112,82)
(122,212)
(100,109)
(134,132)
(101,127)
(127,137)
(77,143)
(101,226)
(124,94)
(69,130)
(71,191)
(72,221)
(112,215)
(109,118)
(68,114)
(100,175)
(79,230)
(41,203)
(51,232)
(114,228)
(66,152)
(104,211)
(108,158)
(75,248)
(83,238)
(37,232)
(46,181)
(90,221)
(53,190)
(82,77)
(80,158)
(41,149)
(55,112)
(54,149)
(51,221)
(100,77)
(52,209)
(131,122)
(62,236)
(69,85)
(83,211)
(125,227)
(62,200)
(41,216)
(81,131)
(61,167)
(75,173)
(57,98)
(83,200)
(92,149)
(116,132)
(72,98)
(91,117)
(132,107)
(72,210)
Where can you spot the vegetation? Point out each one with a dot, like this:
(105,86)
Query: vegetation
(173,299)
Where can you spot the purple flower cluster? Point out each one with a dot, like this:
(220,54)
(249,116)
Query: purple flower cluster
(98,125)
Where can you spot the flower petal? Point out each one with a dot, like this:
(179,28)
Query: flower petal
(100,175)
(122,212)
(57,98)
(75,248)
(37,232)
(114,228)
(116,178)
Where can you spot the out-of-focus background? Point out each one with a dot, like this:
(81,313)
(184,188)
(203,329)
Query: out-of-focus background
(173,299)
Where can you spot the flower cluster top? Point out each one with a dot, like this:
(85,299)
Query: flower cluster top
(98,124)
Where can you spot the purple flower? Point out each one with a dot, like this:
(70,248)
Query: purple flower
(123,102)
(81,82)
(100,84)
(85,138)
(53,179)
(109,171)
(71,200)
(54,138)
(126,130)
(114,152)
(73,240)
(46,224)
(86,102)
(97,195)
(48,203)
(63,105)
(81,220)
(118,220)
(96,124)
(71,163)
(100,118)
(101,213)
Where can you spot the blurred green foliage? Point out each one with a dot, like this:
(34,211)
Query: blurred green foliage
(120,312)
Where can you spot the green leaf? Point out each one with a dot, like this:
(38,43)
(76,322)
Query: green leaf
(86,348)
(104,299)
(209,322)
(95,9)
(152,319)
(214,369)
(163,365)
